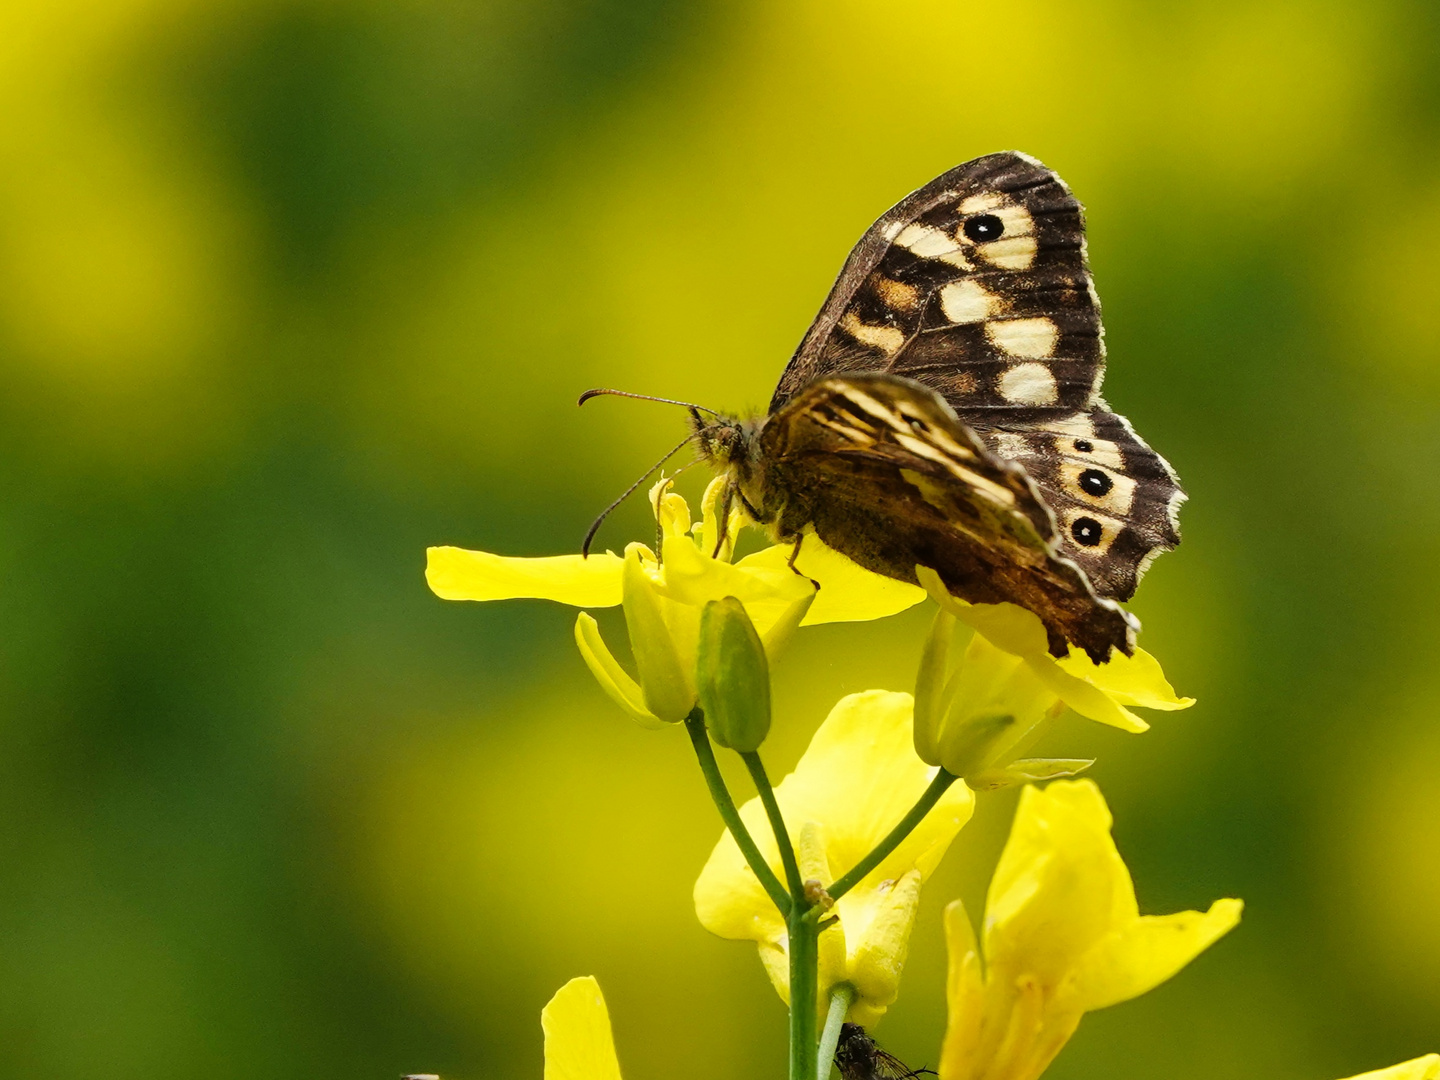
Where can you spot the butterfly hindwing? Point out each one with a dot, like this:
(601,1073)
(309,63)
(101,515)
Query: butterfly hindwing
(886,473)
(1116,501)
(977,286)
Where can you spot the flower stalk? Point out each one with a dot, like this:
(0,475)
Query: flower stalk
(720,795)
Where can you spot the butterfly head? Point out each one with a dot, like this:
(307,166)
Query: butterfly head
(724,441)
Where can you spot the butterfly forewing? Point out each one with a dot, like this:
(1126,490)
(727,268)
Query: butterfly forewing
(978,286)
(975,285)
(886,473)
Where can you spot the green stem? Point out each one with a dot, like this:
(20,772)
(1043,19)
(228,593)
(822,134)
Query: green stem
(777,824)
(923,805)
(804,933)
(840,998)
(700,738)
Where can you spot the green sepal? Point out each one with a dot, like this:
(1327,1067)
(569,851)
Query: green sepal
(930,687)
(1027,771)
(732,676)
(970,747)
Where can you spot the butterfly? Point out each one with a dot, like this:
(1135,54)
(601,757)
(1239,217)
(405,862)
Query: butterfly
(944,410)
(858,1057)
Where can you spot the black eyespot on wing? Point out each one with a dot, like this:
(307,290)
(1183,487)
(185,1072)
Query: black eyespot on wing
(1084,446)
(1086,531)
(1095,482)
(984,227)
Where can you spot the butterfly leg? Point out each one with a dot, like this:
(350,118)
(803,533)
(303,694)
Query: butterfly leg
(795,553)
(722,524)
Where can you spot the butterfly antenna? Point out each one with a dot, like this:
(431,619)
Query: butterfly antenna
(602,391)
(590,535)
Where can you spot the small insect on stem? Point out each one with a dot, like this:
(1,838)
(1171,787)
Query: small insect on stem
(858,1057)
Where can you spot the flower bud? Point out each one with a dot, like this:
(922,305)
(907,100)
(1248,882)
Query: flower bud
(733,676)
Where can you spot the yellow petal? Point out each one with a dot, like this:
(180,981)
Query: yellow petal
(706,531)
(860,776)
(578,1041)
(964,997)
(854,783)
(729,900)
(1008,626)
(848,592)
(1128,680)
(884,940)
(456,574)
(1139,957)
(613,678)
(768,593)
(1084,697)
(1060,885)
(1421,1068)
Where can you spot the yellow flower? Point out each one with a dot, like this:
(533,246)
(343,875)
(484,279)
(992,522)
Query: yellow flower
(578,1042)
(663,596)
(1062,936)
(855,782)
(1421,1068)
(1008,682)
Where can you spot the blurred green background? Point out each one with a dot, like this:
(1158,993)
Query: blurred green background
(290,289)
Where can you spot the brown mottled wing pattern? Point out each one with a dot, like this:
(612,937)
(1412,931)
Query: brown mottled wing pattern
(886,473)
(1115,500)
(975,285)
(978,286)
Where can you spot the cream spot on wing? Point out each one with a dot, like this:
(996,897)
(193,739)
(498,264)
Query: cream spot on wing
(892,230)
(967,301)
(888,339)
(1017,221)
(1028,384)
(1031,338)
(896,294)
(931,243)
(1101,451)
(925,241)
(1120,489)
(1079,425)
(979,204)
(1010,445)
(1009,252)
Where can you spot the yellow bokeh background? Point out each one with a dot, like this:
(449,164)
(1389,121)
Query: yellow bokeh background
(290,289)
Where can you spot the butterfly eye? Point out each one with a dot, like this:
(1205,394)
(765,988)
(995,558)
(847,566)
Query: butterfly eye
(1086,531)
(1095,482)
(984,227)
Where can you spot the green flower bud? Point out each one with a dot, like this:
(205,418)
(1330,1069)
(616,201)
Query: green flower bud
(733,676)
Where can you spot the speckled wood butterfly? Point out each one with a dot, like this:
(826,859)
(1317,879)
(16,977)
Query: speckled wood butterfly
(944,410)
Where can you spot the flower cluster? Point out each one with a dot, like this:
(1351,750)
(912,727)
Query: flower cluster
(824,871)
